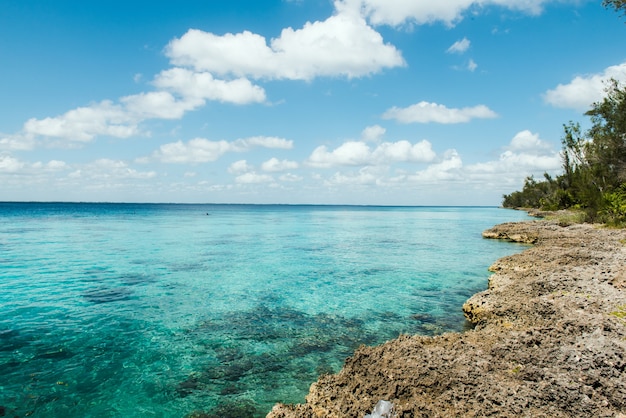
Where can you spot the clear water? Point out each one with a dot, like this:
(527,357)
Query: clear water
(123,310)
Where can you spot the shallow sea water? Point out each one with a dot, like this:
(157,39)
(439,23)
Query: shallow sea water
(133,310)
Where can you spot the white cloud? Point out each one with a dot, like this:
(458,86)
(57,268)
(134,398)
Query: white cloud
(526,154)
(361,178)
(240,167)
(526,141)
(425,112)
(12,165)
(9,164)
(459,47)
(289,177)
(253,178)
(242,145)
(17,142)
(200,150)
(471,65)
(447,169)
(202,85)
(116,169)
(84,123)
(583,91)
(275,165)
(373,133)
(122,119)
(404,151)
(349,153)
(355,153)
(397,12)
(158,105)
(107,118)
(342,45)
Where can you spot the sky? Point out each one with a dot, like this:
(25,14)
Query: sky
(366,102)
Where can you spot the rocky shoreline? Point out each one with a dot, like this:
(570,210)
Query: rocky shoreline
(549,341)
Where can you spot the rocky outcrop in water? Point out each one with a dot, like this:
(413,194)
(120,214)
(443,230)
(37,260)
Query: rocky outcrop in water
(549,341)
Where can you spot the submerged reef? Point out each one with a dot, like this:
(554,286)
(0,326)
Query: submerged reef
(549,340)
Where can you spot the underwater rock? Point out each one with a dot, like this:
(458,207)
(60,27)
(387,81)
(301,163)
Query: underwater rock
(188,386)
(107,294)
(236,409)
(137,279)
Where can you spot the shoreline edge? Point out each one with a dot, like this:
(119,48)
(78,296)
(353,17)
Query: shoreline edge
(549,340)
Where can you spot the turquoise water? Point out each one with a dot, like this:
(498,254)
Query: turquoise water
(125,310)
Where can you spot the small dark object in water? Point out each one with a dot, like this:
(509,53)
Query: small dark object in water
(3,411)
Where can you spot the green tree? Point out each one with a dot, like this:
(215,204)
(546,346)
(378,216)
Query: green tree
(607,150)
(594,166)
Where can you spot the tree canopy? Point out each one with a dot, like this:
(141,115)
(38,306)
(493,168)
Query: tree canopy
(594,166)
(618,5)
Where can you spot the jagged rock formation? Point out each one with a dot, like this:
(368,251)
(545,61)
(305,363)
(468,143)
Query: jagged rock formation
(549,341)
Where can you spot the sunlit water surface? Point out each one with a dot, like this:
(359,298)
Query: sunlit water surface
(123,310)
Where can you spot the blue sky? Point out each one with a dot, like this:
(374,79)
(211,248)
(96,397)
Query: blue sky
(395,102)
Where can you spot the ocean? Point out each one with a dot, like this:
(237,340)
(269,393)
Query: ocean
(160,310)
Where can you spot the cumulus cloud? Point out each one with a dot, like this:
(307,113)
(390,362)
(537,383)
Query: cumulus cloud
(242,145)
(121,120)
(459,47)
(342,45)
(253,178)
(203,86)
(397,12)
(526,141)
(240,167)
(583,91)
(525,154)
(446,169)
(9,164)
(275,165)
(289,177)
(365,176)
(117,169)
(425,112)
(84,123)
(157,105)
(355,153)
(373,133)
(200,150)
(471,65)
(17,142)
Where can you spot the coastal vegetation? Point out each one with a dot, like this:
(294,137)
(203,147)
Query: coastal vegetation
(594,166)
(593,182)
